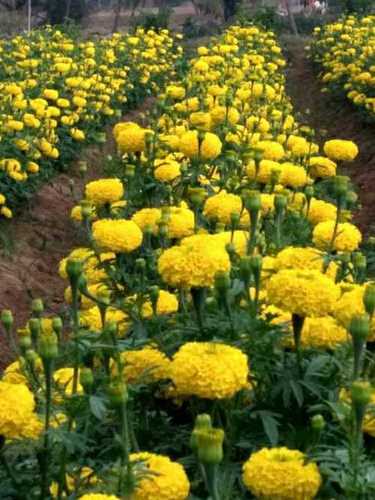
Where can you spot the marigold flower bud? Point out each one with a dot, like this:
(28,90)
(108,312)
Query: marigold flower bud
(31,356)
(140,265)
(24,342)
(82,165)
(37,306)
(7,319)
(202,421)
(280,202)
(318,423)
(359,327)
(369,299)
(86,379)
(246,268)
(130,170)
(74,269)
(234,219)
(361,392)
(34,327)
(48,346)
(253,202)
(210,445)
(117,393)
(309,192)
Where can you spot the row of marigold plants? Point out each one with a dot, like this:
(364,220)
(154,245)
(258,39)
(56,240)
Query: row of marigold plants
(218,331)
(57,92)
(345,53)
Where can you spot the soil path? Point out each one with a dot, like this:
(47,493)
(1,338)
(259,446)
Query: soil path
(38,238)
(332,118)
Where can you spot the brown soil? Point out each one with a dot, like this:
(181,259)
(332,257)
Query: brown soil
(332,118)
(41,236)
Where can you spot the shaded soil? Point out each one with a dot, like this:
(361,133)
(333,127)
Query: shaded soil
(333,118)
(35,241)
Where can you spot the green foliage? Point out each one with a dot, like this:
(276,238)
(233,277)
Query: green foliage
(158,21)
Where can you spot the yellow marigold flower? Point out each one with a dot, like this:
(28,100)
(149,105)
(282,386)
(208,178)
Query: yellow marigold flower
(130,137)
(104,191)
(267,170)
(147,364)
(323,333)
(293,176)
(17,412)
(167,303)
(77,134)
(348,236)
(13,374)
(92,319)
(303,258)
(64,380)
(220,206)
(220,114)
(32,167)
(271,150)
(281,474)
(166,480)
(210,147)
(167,171)
(303,292)
(298,145)
(147,217)
(320,166)
(180,222)
(341,150)
(175,92)
(321,211)
(200,120)
(98,496)
(209,370)
(117,235)
(194,263)
(6,212)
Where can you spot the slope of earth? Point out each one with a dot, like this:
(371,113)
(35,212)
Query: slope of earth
(333,118)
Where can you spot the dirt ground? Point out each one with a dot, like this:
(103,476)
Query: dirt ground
(334,119)
(42,235)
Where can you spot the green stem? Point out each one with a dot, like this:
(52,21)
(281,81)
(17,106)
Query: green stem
(125,449)
(211,474)
(199,295)
(298,322)
(45,457)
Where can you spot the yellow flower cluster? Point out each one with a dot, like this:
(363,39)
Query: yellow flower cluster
(55,90)
(209,370)
(344,50)
(282,474)
(166,480)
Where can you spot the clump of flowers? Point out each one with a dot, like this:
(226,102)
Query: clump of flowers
(209,370)
(281,473)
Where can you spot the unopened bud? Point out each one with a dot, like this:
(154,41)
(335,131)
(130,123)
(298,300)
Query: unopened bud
(86,379)
(37,306)
(253,202)
(140,265)
(154,296)
(234,219)
(202,421)
(369,299)
(210,445)
(130,170)
(309,192)
(318,423)
(280,203)
(361,392)
(74,269)
(48,346)
(117,393)
(359,327)
(7,319)
(246,268)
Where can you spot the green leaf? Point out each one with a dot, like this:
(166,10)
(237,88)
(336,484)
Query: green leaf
(97,407)
(270,428)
